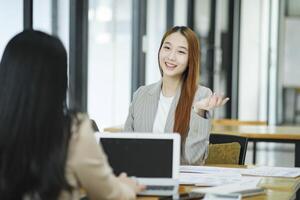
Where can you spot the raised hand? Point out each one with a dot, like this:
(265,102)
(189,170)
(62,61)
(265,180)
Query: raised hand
(210,103)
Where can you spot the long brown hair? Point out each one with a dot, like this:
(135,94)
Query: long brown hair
(190,78)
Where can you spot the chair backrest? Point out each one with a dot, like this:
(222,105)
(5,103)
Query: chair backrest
(114,129)
(235,122)
(222,138)
(224,153)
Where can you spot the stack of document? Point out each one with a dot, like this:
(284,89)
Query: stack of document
(208,179)
(210,170)
(286,172)
(224,182)
(233,183)
(264,171)
(243,188)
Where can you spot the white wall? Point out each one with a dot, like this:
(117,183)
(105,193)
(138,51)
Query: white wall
(219,73)
(253,60)
(264,60)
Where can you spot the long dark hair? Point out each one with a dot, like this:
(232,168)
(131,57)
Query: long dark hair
(34,124)
(190,78)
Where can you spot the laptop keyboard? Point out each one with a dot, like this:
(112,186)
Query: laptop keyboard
(159,187)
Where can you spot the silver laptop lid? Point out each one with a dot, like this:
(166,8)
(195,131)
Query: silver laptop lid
(145,155)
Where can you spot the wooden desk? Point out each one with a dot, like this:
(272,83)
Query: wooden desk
(281,134)
(276,189)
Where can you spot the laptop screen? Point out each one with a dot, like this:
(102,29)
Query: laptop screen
(140,157)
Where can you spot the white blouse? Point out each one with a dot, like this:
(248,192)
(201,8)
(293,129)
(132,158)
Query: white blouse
(162,112)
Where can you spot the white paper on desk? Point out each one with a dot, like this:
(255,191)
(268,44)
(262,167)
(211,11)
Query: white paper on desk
(273,172)
(222,197)
(245,187)
(208,179)
(210,170)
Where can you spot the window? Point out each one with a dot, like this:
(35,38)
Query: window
(11,15)
(156,26)
(109,58)
(52,17)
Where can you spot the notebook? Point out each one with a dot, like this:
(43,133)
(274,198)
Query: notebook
(153,159)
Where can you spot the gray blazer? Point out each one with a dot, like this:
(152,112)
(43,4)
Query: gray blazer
(142,112)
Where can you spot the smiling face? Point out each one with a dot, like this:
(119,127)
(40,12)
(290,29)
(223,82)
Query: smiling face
(173,55)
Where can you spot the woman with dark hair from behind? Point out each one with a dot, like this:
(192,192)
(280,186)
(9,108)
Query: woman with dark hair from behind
(45,151)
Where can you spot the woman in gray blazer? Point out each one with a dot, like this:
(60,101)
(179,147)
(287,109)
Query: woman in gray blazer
(177,103)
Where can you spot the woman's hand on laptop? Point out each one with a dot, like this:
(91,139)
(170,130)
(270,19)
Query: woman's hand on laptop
(131,182)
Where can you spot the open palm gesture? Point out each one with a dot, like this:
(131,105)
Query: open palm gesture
(211,102)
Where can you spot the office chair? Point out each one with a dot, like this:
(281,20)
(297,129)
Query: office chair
(229,149)
(114,129)
(236,122)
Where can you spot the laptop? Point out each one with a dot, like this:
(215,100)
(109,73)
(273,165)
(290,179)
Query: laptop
(153,159)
